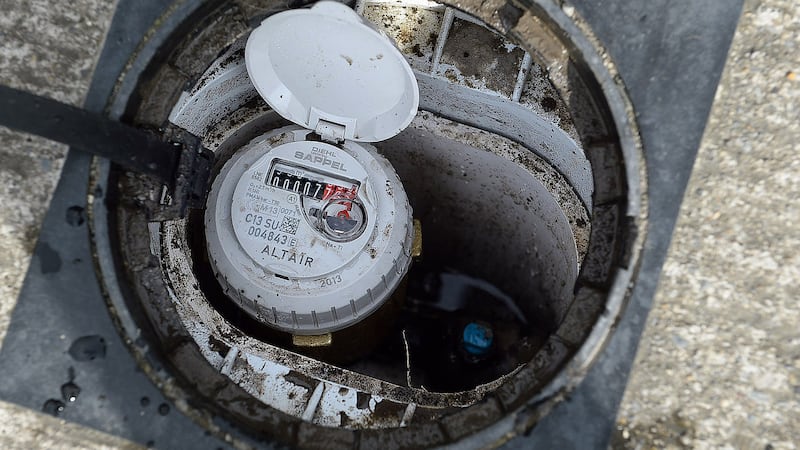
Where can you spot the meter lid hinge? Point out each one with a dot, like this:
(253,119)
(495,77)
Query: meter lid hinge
(333,129)
(330,132)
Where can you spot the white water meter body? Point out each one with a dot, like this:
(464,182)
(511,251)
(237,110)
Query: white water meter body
(308,228)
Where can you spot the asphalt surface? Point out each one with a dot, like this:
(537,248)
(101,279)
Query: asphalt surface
(719,363)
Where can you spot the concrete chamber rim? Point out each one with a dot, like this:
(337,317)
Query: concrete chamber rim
(602,70)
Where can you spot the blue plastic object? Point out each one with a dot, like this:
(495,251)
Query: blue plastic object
(477,339)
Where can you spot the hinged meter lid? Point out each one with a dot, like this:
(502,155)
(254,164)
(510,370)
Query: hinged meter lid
(327,70)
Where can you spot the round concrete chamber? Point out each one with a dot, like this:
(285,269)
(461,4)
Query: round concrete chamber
(522,168)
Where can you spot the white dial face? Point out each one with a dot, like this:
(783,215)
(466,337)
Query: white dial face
(301,210)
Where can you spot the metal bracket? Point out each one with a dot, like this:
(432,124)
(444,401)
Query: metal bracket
(189,186)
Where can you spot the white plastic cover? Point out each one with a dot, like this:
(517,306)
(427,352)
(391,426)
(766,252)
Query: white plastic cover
(325,65)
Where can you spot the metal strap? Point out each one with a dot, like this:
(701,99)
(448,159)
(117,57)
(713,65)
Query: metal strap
(181,163)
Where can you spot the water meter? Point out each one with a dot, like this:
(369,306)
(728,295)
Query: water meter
(308,228)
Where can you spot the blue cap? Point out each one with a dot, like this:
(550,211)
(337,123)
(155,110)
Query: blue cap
(477,339)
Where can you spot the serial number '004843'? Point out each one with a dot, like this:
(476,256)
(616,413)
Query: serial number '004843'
(272,236)
(330,281)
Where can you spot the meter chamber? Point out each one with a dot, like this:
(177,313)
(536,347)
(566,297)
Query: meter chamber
(527,192)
